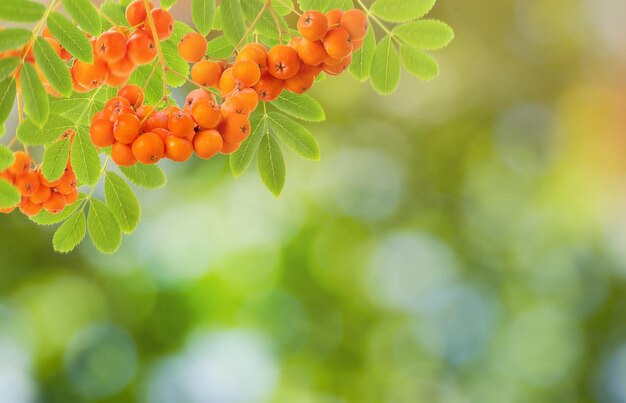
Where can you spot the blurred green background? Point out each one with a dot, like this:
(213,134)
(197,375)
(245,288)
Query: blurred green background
(463,240)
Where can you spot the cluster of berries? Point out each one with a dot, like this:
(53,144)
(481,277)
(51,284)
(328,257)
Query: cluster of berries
(140,133)
(118,51)
(37,192)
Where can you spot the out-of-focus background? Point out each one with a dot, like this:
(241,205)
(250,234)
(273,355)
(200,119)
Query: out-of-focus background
(461,241)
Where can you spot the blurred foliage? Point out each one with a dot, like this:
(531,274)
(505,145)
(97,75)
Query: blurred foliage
(460,241)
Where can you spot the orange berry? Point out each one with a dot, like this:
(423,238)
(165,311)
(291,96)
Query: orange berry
(122,155)
(111,46)
(28,208)
(235,105)
(254,52)
(178,149)
(41,195)
(334,17)
(269,87)
(294,42)
(229,148)
(148,148)
(207,143)
(356,23)
(141,48)
(163,133)
(235,128)
(132,94)
(21,164)
(163,22)
(101,132)
(145,111)
(92,75)
(28,183)
(338,43)
(136,12)
(227,82)
(250,98)
(336,69)
(156,120)
(67,183)
(116,81)
(76,86)
(312,25)
(71,197)
(195,95)
(55,203)
(192,47)
(283,62)
(122,68)
(116,106)
(357,44)
(311,52)
(302,81)
(246,73)
(7,176)
(205,114)
(126,128)
(181,124)
(206,73)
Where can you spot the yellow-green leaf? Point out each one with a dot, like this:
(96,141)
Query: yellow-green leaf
(9,195)
(36,101)
(21,10)
(294,136)
(7,98)
(103,228)
(385,75)
(203,13)
(241,159)
(271,164)
(402,10)
(55,160)
(70,233)
(14,38)
(85,14)
(53,67)
(419,63)
(425,34)
(122,202)
(70,37)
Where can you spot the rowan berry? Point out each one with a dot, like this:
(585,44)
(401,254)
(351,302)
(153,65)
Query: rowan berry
(334,18)
(27,183)
(206,73)
(246,73)
(133,94)
(136,12)
(205,114)
(227,82)
(126,128)
(116,81)
(101,132)
(141,48)
(229,148)
(312,25)
(111,46)
(67,183)
(178,149)
(235,128)
(163,133)
(356,23)
(192,47)
(195,95)
(28,208)
(116,106)
(302,81)
(293,43)
(121,68)
(21,164)
(91,75)
(283,62)
(336,69)
(71,197)
(338,43)
(156,120)
(55,203)
(76,86)
(254,52)
(163,24)
(250,98)
(122,155)
(181,124)
(357,44)
(7,176)
(269,87)
(145,111)
(235,105)
(41,195)
(207,143)
(148,148)
(311,52)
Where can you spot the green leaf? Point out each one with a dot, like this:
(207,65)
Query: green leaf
(233,23)
(45,218)
(241,159)
(85,159)
(14,38)
(302,106)
(174,61)
(70,233)
(153,88)
(55,160)
(36,101)
(8,66)
(28,133)
(271,164)
(146,176)
(385,75)
(265,25)
(326,5)
(103,229)
(295,136)
(122,202)
(220,48)
(425,34)
(361,66)
(283,7)
(85,14)
(401,11)
(6,157)
(168,3)
(419,63)
(70,37)
(9,195)
(7,98)
(21,10)
(115,12)
(53,67)
(203,13)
